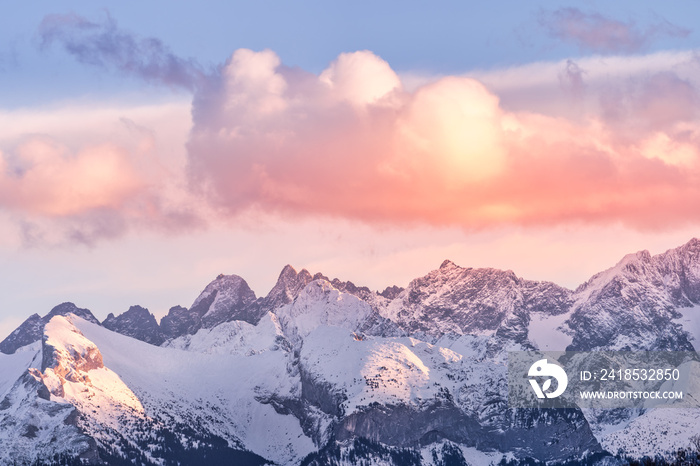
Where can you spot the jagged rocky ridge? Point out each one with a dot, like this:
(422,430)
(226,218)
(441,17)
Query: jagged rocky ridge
(320,365)
(32,329)
(138,323)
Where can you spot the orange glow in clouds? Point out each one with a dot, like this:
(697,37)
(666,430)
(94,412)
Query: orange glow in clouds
(56,183)
(352,142)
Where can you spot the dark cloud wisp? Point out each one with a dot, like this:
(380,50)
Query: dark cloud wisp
(104,44)
(598,33)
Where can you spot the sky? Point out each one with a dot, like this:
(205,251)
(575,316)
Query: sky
(147,147)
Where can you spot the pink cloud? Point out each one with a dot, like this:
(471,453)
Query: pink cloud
(93,175)
(54,183)
(280,139)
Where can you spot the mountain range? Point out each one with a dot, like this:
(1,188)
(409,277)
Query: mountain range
(324,372)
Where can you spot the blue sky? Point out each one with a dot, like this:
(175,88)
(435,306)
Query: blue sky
(365,140)
(448,37)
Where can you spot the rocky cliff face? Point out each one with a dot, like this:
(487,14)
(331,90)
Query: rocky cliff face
(226,298)
(456,300)
(634,305)
(138,323)
(179,321)
(288,285)
(34,428)
(28,332)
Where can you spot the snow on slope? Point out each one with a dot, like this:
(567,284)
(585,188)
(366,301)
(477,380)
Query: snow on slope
(372,370)
(12,366)
(236,337)
(214,390)
(36,427)
(658,431)
(399,370)
(548,333)
(473,456)
(664,429)
(690,321)
(660,428)
(236,378)
(78,376)
(320,304)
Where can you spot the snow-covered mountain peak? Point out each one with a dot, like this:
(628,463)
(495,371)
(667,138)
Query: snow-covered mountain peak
(692,246)
(205,406)
(288,285)
(227,286)
(64,309)
(630,265)
(226,298)
(33,426)
(32,329)
(74,371)
(321,364)
(447,264)
(289,275)
(67,356)
(236,338)
(321,304)
(633,305)
(457,300)
(449,272)
(65,346)
(668,269)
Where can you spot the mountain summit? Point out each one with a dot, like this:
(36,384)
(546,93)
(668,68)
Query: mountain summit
(32,329)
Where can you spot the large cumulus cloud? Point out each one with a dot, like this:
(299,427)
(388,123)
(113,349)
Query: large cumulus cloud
(353,142)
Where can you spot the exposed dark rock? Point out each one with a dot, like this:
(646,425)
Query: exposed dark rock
(138,323)
(547,435)
(27,333)
(321,394)
(289,285)
(391,292)
(179,321)
(69,308)
(226,298)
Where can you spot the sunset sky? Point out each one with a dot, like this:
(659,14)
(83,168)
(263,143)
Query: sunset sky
(146,147)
